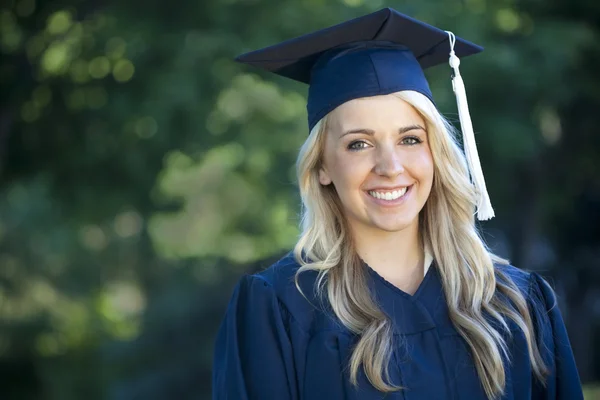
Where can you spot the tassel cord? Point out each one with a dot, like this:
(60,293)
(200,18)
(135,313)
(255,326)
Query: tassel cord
(484,206)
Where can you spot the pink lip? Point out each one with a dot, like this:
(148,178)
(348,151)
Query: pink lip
(390,203)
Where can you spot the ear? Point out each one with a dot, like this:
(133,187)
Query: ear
(324,178)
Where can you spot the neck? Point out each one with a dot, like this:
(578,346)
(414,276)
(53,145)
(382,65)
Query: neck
(397,256)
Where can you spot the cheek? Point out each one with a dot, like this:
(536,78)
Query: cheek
(349,172)
(430,168)
(424,165)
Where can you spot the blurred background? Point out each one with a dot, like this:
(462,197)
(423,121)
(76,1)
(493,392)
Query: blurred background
(142,171)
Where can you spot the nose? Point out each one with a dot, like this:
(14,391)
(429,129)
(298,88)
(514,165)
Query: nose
(389,162)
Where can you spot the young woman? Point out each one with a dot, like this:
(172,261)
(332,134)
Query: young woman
(390,291)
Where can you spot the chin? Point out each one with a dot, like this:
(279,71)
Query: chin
(393,226)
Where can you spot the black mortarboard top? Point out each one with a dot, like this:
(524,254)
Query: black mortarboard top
(379,53)
(376,54)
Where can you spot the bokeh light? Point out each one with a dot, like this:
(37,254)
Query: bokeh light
(59,22)
(123,70)
(144,171)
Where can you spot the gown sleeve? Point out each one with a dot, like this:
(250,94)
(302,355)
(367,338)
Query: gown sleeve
(253,353)
(563,382)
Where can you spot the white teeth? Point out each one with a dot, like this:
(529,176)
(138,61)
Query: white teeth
(388,195)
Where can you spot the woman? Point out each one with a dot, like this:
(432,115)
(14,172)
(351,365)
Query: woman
(390,292)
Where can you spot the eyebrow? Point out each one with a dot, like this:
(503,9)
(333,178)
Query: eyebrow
(371,132)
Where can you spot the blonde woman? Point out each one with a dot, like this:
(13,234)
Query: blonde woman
(390,291)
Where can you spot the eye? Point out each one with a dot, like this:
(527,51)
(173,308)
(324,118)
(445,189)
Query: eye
(357,145)
(411,140)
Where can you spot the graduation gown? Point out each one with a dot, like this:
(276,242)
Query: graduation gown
(275,344)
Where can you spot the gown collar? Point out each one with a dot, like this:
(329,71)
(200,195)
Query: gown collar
(425,309)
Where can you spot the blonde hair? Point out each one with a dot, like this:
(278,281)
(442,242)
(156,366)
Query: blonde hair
(472,285)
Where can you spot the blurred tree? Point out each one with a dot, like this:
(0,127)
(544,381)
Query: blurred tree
(143,171)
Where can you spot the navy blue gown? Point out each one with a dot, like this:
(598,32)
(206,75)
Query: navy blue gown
(275,344)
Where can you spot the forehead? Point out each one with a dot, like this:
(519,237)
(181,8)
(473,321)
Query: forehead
(376,113)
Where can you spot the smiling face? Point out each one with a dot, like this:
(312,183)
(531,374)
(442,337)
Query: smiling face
(378,158)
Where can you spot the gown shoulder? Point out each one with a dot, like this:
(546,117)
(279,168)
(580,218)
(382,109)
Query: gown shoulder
(297,296)
(562,380)
(255,344)
(518,276)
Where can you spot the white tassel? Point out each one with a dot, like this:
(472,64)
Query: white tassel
(484,205)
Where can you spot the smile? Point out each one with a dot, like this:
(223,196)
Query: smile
(388,195)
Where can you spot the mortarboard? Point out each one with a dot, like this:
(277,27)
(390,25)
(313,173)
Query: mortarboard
(376,54)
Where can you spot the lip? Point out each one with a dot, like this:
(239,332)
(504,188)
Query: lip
(390,203)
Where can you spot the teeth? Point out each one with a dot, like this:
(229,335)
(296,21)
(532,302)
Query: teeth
(388,195)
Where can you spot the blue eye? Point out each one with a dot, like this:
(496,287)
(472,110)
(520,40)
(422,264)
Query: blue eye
(411,140)
(357,145)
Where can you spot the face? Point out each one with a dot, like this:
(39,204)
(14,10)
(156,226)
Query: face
(378,158)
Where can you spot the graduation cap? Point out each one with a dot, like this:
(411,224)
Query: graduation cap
(376,54)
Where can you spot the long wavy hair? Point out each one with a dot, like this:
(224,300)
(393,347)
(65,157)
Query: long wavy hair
(472,285)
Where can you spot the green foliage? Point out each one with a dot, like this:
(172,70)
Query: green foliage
(143,170)
(591,392)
